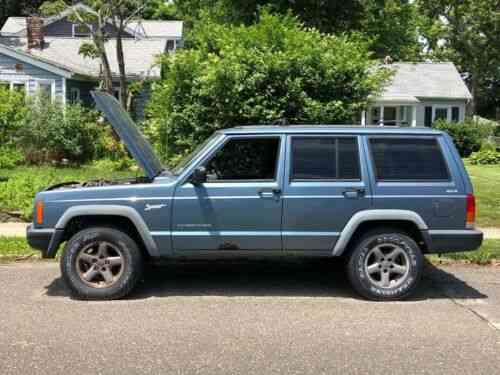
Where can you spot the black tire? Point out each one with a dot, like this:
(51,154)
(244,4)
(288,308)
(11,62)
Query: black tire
(370,274)
(86,244)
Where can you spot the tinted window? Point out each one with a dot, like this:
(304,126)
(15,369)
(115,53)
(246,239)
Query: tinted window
(325,158)
(408,159)
(245,159)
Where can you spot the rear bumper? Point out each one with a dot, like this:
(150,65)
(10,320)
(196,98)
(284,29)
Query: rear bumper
(453,241)
(45,240)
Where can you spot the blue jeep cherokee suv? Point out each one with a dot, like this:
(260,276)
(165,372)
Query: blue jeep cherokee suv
(380,197)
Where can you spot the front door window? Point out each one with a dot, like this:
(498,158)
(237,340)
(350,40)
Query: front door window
(245,159)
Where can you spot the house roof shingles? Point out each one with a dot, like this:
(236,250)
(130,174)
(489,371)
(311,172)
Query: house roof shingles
(140,55)
(426,80)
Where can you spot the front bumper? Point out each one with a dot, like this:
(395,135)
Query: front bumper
(454,241)
(45,240)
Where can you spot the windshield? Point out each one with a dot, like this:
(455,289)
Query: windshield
(186,160)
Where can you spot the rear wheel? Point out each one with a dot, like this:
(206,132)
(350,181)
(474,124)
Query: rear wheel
(101,263)
(385,265)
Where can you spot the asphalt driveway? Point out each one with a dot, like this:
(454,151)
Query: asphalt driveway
(250,317)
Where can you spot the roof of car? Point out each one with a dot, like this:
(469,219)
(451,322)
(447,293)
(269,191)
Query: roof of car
(314,129)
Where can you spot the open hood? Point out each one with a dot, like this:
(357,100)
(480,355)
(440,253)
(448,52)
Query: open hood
(129,133)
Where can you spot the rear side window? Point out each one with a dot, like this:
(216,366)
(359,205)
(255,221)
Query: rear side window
(416,159)
(325,158)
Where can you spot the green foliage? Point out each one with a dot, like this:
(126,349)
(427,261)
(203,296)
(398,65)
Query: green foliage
(467,136)
(13,248)
(50,8)
(22,183)
(12,112)
(485,157)
(51,132)
(236,75)
(10,157)
(122,164)
(392,27)
(467,33)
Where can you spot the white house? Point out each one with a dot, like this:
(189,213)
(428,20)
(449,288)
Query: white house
(419,94)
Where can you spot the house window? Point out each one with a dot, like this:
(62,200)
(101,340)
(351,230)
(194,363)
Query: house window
(170,45)
(47,89)
(74,95)
(81,30)
(390,116)
(440,113)
(4,85)
(19,86)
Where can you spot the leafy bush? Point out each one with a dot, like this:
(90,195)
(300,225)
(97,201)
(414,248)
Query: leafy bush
(123,164)
(236,75)
(485,157)
(51,132)
(12,112)
(467,136)
(9,157)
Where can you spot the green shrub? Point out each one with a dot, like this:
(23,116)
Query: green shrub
(12,112)
(485,157)
(123,164)
(9,157)
(51,132)
(467,136)
(237,75)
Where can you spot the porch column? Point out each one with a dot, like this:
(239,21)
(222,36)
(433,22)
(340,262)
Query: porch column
(413,115)
(363,118)
(381,119)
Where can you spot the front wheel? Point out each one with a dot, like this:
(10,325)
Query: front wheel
(101,264)
(385,265)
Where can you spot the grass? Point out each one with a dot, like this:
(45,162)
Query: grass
(486,181)
(16,248)
(488,253)
(17,193)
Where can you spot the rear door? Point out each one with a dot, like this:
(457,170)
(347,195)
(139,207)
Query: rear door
(325,185)
(412,172)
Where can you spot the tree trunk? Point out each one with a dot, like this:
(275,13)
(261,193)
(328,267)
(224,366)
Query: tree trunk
(121,66)
(106,68)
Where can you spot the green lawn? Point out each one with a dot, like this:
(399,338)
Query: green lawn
(486,181)
(17,193)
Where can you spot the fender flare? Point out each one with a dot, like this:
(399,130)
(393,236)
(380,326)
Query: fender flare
(374,215)
(124,211)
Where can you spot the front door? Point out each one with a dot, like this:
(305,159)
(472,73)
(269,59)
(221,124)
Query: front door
(325,185)
(239,206)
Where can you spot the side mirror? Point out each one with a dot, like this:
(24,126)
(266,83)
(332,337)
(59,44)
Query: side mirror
(199,176)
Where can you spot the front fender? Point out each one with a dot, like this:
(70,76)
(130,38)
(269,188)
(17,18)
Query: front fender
(112,210)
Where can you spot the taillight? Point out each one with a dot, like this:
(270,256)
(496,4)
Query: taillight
(470,218)
(39,212)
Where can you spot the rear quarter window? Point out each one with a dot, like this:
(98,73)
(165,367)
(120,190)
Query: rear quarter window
(408,159)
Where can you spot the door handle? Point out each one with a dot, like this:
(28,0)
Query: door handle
(270,193)
(353,193)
